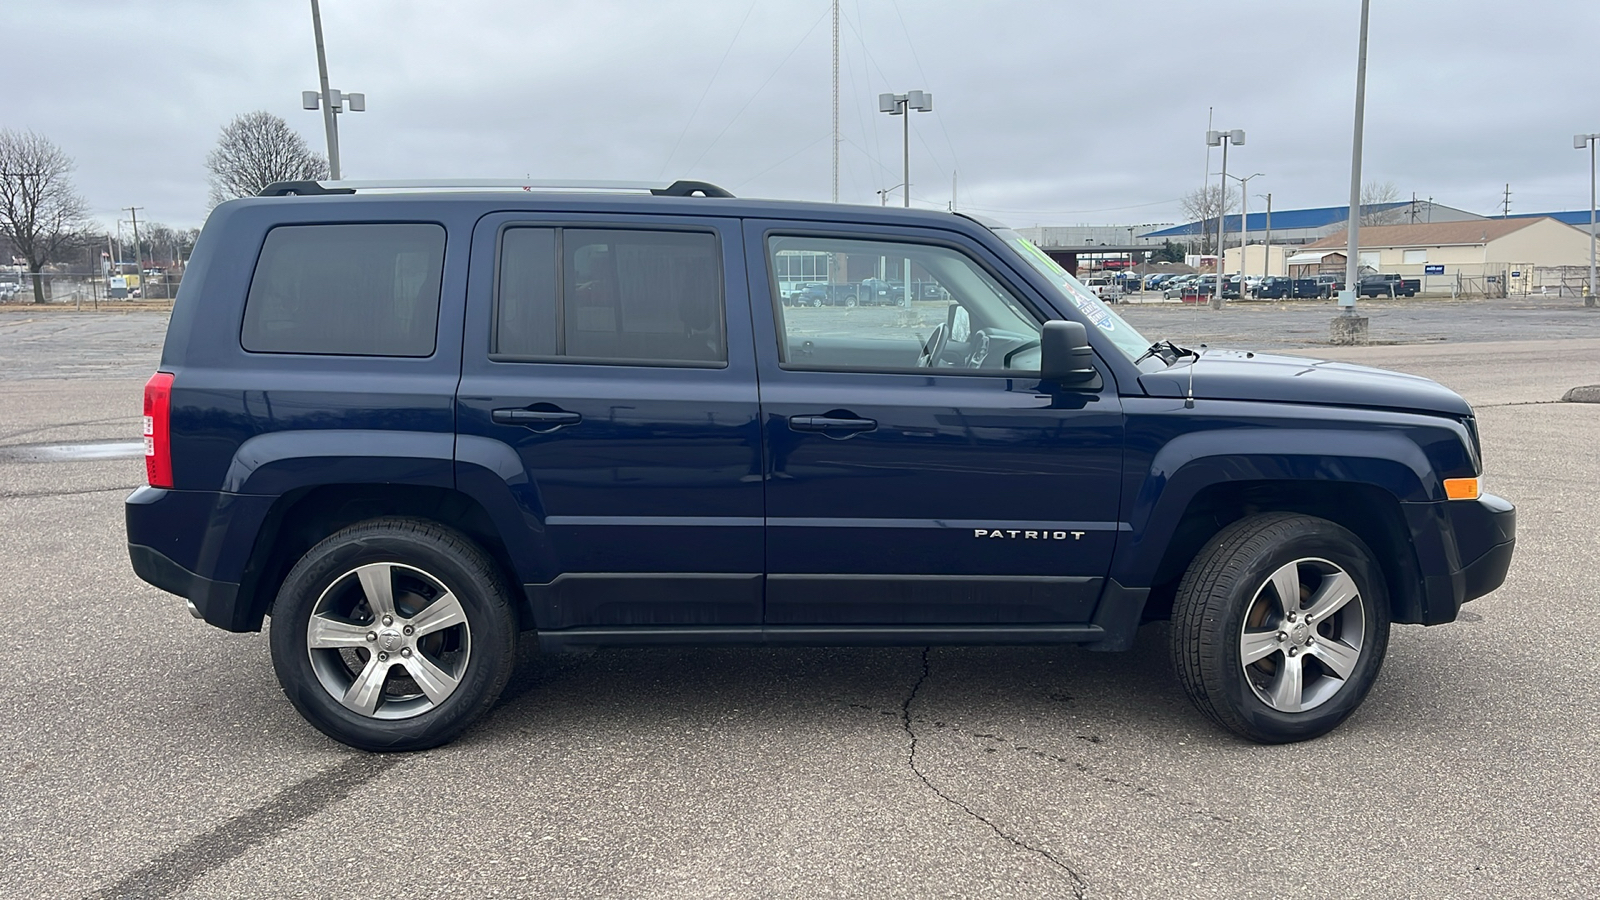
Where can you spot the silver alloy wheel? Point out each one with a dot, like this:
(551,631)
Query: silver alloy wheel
(388,641)
(1302,635)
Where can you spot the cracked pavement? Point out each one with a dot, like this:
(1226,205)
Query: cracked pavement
(149,755)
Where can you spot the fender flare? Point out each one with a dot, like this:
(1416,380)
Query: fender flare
(274,464)
(1191,463)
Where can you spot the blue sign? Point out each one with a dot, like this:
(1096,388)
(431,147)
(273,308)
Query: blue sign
(1433,270)
(1516,274)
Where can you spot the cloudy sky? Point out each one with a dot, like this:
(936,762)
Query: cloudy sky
(1051,112)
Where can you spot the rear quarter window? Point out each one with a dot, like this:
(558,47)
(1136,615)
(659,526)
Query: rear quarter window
(353,290)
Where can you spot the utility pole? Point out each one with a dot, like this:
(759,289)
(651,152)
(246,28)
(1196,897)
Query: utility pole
(138,261)
(836,101)
(1505,207)
(1266,258)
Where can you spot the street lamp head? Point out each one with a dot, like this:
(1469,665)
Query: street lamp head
(357,102)
(1580,141)
(309,99)
(889,103)
(1237,137)
(921,101)
(1213,139)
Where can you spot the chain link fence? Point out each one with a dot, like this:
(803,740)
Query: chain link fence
(91,291)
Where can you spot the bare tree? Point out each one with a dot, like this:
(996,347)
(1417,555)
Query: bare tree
(255,150)
(40,213)
(1203,206)
(1374,196)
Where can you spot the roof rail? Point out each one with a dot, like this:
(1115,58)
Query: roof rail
(311,188)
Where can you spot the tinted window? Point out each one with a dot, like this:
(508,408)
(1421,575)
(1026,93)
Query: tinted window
(625,296)
(528,323)
(360,290)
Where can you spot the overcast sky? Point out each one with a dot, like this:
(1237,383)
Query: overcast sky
(1053,113)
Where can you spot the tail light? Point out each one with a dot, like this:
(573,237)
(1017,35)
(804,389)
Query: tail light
(158,430)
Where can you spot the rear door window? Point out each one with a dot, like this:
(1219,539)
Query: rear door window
(610,296)
(354,290)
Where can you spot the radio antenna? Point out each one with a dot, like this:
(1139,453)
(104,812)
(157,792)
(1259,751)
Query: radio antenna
(1188,402)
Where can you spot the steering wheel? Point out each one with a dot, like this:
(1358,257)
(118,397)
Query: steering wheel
(932,350)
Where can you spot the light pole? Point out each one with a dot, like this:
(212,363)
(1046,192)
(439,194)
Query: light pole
(1578,143)
(1348,328)
(330,101)
(1222,139)
(902,105)
(1244,223)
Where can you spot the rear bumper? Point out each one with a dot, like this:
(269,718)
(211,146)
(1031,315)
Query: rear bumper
(202,593)
(196,544)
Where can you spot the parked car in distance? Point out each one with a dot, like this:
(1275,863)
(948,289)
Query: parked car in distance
(1175,288)
(1388,286)
(1329,286)
(1203,286)
(500,420)
(1277,287)
(813,293)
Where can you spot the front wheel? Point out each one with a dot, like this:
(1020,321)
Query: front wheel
(1280,626)
(393,634)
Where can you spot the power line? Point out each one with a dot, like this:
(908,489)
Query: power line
(692,113)
(775,71)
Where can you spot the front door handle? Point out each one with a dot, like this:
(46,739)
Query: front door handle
(832,424)
(537,419)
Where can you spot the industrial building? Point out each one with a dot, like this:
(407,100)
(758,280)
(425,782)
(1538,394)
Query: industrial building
(1494,257)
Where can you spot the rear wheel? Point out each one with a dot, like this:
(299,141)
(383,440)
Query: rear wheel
(393,634)
(1280,626)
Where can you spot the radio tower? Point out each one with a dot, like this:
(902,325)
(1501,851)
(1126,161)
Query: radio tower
(836,101)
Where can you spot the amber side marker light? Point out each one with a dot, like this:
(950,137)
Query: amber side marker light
(1462,488)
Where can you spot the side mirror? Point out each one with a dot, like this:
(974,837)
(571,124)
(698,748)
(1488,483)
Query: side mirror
(960,325)
(1065,356)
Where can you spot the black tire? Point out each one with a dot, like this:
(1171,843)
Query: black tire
(1227,602)
(471,643)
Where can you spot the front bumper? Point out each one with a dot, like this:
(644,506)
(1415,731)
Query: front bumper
(1486,536)
(1464,548)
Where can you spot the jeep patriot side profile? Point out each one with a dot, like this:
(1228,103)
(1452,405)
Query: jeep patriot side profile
(409,424)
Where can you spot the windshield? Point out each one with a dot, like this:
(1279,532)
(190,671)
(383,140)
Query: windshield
(1129,341)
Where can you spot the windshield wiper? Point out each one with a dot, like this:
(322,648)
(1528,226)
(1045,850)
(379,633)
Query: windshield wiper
(1167,351)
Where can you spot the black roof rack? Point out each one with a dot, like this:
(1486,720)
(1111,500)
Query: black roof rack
(689,189)
(317,188)
(301,188)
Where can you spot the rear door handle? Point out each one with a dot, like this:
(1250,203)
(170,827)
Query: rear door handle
(832,424)
(537,419)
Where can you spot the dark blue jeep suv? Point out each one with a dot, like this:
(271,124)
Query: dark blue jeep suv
(408,424)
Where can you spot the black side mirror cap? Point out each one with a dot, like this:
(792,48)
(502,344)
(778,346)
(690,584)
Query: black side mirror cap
(1065,356)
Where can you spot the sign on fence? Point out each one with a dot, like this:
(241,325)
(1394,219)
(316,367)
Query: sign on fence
(1433,270)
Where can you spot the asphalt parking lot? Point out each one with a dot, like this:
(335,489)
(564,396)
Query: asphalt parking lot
(150,755)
